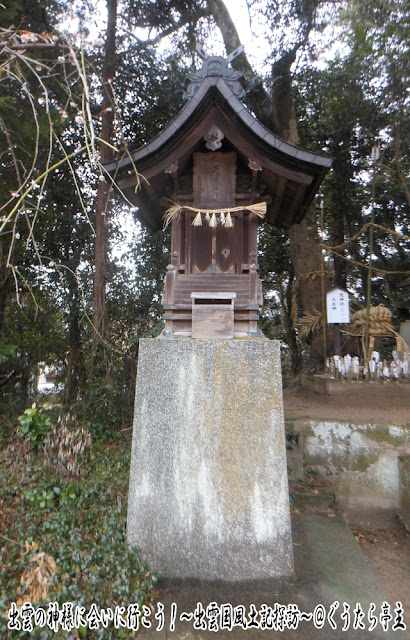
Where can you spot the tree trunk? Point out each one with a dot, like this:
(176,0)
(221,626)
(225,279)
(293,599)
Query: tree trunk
(304,239)
(305,246)
(306,259)
(284,122)
(337,238)
(76,376)
(102,202)
(341,197)
(286,300)
(4,294)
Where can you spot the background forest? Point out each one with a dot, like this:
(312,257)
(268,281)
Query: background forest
(82,82)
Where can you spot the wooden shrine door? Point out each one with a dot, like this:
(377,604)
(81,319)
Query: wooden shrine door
(212,250)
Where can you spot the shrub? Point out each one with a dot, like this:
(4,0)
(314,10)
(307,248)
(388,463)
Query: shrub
(35,423)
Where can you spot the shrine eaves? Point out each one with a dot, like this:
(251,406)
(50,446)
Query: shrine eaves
(213,173)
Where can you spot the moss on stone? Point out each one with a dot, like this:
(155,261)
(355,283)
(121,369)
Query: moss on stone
(308,431)
(381,435)
(362,461)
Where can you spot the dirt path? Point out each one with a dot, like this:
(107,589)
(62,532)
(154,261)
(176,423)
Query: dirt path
(386,544)
(377,402)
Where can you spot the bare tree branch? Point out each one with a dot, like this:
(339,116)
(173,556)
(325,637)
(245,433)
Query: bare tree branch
(258,99)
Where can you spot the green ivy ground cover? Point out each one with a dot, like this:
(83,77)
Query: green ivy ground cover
(74,529)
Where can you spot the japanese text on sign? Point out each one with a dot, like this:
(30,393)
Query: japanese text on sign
(337,306)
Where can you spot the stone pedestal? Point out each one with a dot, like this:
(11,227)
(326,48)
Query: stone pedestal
(208,494)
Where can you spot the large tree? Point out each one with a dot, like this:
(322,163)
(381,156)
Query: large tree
(45,232)
(102,209)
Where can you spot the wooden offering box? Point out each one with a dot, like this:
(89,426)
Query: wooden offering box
(212,314)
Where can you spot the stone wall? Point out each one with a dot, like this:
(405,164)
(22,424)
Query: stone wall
(361,460)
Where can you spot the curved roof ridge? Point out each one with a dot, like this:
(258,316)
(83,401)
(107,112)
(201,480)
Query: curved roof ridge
(219,82)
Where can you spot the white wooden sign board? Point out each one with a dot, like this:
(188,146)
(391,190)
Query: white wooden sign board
(337,306)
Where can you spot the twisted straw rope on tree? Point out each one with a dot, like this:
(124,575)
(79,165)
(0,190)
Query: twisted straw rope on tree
(383,272)
(364,228)
(379,323)
(336,248)
(310,323)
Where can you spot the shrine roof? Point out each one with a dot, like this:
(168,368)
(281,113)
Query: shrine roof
(292,175)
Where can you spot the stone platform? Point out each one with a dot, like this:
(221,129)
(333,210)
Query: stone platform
(208,492)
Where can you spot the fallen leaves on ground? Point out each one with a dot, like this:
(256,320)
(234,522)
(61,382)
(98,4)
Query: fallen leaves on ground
(35,579)
(364,536)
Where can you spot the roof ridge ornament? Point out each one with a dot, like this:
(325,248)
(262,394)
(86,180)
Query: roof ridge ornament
(216,66)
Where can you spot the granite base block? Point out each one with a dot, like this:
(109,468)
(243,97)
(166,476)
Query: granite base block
(208,495)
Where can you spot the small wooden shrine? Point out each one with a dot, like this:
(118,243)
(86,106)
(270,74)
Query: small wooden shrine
(214,173)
